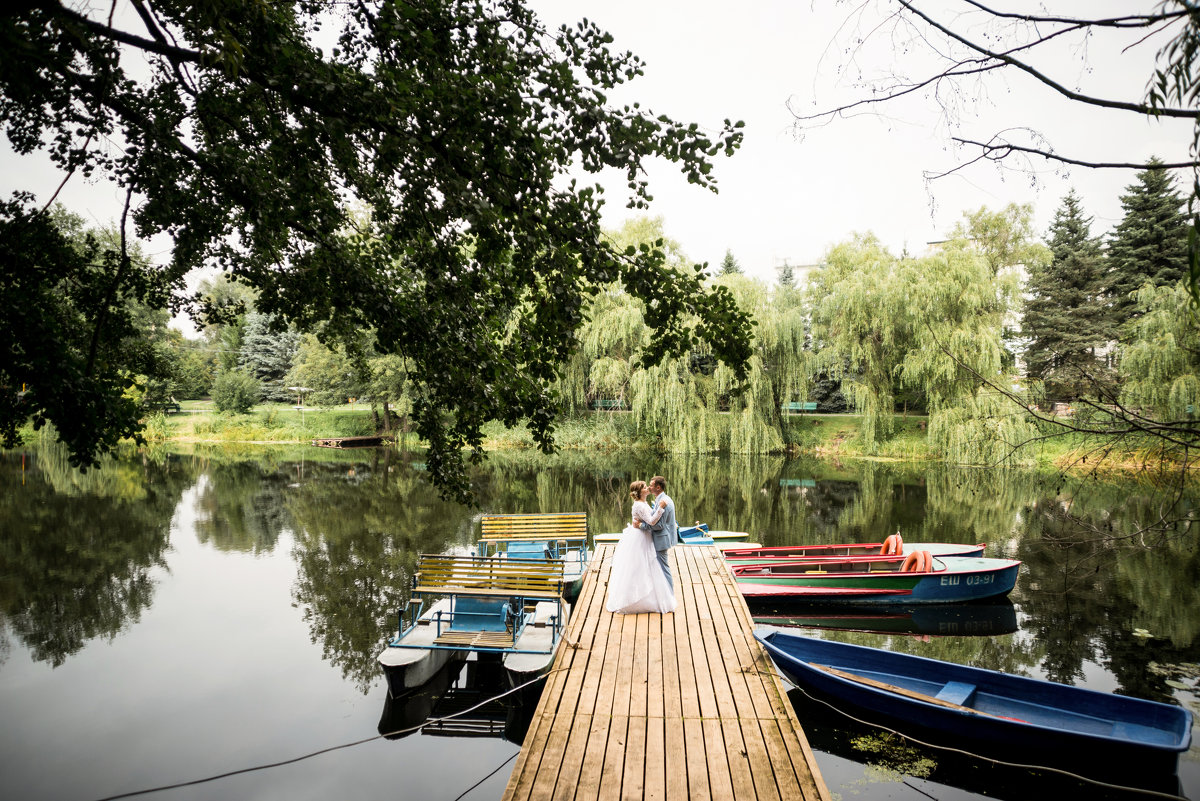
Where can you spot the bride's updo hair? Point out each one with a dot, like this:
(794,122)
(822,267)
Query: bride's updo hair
(635,490)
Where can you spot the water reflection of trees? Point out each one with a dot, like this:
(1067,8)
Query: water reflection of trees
(240,505)
(359,529)
(1092,594)
(78,550)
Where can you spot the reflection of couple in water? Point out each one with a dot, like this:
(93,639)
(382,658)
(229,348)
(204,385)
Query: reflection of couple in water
(641,573)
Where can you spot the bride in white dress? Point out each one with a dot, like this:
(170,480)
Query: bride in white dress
(637,583)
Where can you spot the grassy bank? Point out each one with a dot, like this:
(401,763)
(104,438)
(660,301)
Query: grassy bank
(822,436)
(197,421)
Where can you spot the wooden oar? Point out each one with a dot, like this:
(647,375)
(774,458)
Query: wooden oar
(892,688)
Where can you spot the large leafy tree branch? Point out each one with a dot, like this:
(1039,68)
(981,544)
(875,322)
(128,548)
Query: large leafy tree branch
(398,168)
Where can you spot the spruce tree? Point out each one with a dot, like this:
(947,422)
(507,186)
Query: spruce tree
(787,277)
(267,355)
(1151,241)
(1067,320)
(729,264)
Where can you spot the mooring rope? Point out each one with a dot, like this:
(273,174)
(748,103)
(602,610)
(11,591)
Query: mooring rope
(293,760)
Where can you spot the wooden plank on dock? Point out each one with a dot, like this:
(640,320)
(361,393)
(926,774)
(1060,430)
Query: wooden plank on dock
(683,705)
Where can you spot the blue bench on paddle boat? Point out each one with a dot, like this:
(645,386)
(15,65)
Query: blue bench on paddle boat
(525,549)
(480,614)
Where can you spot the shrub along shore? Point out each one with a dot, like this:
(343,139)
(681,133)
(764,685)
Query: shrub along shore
(819,435)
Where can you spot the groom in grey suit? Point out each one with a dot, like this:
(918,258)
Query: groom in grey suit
(664,531)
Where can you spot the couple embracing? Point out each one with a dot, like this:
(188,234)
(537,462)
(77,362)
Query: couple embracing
(641,573)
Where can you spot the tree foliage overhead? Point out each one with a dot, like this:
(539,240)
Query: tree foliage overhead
(452,123)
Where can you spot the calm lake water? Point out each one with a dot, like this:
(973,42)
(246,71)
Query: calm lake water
(175,616)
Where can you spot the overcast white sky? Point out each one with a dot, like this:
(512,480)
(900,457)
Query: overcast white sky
(781,198)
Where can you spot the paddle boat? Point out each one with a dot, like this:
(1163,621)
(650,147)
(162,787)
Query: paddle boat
(892,546)
(509,610)
(914,579)
(986,711)
(698,534)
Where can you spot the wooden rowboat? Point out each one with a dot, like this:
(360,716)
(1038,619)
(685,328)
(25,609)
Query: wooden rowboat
(987,711)
(698,534)
(747,556)
(878,580)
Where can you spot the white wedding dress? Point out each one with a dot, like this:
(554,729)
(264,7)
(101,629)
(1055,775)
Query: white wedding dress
(636,583)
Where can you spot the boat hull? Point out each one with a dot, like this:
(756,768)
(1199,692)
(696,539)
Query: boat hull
(954,580)
(750,556)
(986,710)
(410,667)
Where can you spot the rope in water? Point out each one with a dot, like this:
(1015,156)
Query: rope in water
(303,757)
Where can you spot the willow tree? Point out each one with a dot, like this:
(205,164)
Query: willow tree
(860,328)
(1161,364)
(615,333)
(957,304)
(932,324)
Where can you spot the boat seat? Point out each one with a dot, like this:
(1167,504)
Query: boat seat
(479,614)
(477,639)
(956,692)
(568,525)
(527,550)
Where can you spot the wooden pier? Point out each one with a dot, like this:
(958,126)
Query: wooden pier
(372,440)
(679,706)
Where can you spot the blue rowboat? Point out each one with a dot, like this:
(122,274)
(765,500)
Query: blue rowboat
(987,711)
(878,580)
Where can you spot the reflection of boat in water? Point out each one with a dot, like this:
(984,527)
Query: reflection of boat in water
(448,700)
(933,771)
(978,619)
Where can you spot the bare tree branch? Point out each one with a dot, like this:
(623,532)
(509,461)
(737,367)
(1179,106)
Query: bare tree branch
(996,151)
(1070,94)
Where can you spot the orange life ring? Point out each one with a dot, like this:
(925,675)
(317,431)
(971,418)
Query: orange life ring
(892,546)
(918,562)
